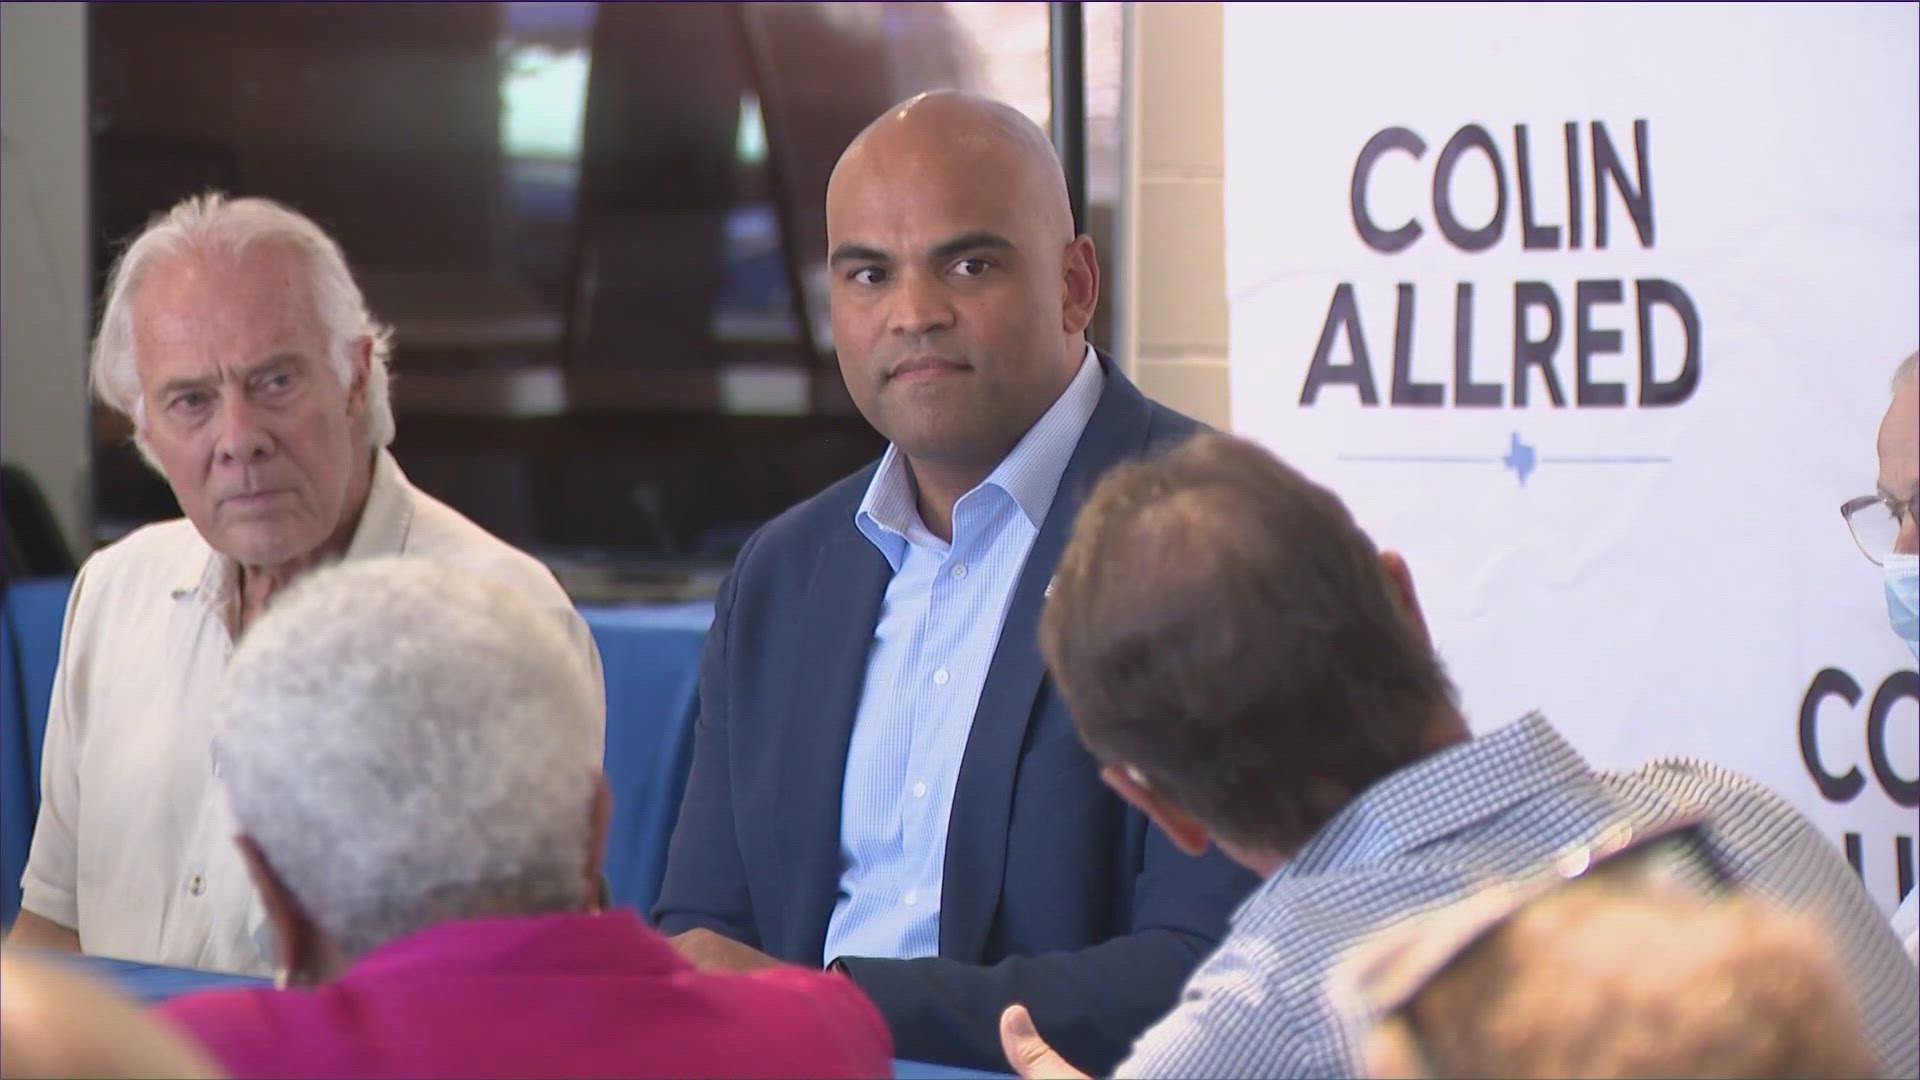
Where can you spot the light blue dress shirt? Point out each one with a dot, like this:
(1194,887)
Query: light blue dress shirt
(939,625)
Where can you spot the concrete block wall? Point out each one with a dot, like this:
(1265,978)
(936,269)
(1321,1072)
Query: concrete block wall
(1173,316)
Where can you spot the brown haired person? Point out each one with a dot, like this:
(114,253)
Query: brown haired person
(1253,674)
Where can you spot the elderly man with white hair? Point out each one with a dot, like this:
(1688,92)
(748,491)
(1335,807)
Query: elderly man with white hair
(236,339)
(408,752)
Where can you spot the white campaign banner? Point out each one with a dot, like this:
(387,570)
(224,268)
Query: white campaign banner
(1591,311)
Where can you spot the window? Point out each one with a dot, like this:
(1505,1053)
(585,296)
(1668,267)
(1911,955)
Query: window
(598,229)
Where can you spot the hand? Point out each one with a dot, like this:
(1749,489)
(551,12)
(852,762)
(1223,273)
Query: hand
(1028,1053)
(716,952)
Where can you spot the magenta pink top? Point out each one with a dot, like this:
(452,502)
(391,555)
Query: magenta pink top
(543,995)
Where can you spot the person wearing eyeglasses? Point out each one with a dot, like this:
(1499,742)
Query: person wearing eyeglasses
(1883,523)
(1884,527)
(1248,669)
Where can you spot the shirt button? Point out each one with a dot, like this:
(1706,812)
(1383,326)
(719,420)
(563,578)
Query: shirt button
(911,898)
(196,885)
(920,790)
(960,571)
(940,677)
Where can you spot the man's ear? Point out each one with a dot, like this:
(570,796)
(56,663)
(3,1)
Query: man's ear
(1402,581)
(296,938)
(360,372)
(1080,272)
(1186,831)
(599,823)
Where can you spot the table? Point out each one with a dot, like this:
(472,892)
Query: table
(151,984)
(651,654)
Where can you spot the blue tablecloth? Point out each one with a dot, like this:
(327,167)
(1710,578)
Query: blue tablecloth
(651,655)
(151,984)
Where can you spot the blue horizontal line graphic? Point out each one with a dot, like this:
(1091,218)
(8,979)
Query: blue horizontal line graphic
(1558,460)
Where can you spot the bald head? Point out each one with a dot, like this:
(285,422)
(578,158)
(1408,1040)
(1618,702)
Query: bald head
(945,130)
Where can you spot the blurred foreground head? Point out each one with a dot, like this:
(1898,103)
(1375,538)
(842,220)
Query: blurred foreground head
(404,744)
(1610,976)
(57,1021)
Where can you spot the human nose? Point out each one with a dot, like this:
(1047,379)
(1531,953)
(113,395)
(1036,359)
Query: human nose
(1907,540)
(243,438)
(920,305)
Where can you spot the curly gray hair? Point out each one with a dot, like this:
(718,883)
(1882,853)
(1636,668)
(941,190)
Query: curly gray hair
(409,744)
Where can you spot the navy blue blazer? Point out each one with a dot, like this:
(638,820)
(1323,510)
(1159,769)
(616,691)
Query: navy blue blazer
(1056,893)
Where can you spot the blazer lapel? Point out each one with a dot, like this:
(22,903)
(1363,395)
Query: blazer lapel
(983,791)
(849,579)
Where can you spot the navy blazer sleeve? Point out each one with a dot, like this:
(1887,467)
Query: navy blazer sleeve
(1089,1004)
(705,883)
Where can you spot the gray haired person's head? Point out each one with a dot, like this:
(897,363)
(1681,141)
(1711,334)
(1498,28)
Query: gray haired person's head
(214,224)
(408,744)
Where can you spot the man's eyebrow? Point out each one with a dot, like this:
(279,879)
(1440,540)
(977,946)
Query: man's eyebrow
(175,385)
(857,253)
(278,359)
(972,241)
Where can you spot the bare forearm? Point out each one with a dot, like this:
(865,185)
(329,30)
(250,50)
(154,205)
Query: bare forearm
(31,931)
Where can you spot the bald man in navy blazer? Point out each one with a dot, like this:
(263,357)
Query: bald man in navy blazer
(884,780)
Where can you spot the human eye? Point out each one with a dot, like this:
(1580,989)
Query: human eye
(972,267)
(867,275)
(276,382)
(188,403)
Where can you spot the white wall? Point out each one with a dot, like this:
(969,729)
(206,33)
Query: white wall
(43,254)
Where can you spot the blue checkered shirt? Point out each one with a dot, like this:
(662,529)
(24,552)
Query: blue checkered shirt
(1495,806)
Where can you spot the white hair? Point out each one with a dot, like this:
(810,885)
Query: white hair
(1905,372)
(409,744)
(213,223)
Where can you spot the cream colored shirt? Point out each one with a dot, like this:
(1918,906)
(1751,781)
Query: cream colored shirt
(134,845)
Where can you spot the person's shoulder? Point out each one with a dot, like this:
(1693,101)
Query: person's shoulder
(787,541)
(1691,784)
(160,546)
(239,1026)
(156,556)
(1137,424)
(1166,425)
(442,534)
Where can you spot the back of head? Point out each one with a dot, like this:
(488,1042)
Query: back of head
(1220,623)
(407,744)
(56,1021)
(1609,979)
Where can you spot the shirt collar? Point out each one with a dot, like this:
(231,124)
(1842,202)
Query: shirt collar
(1441,794)
(1029,474)
(569,942)
(382,530)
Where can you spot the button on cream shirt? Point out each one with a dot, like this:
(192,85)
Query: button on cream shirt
(134,845)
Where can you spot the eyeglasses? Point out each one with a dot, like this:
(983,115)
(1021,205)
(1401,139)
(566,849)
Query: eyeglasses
(1875,523)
